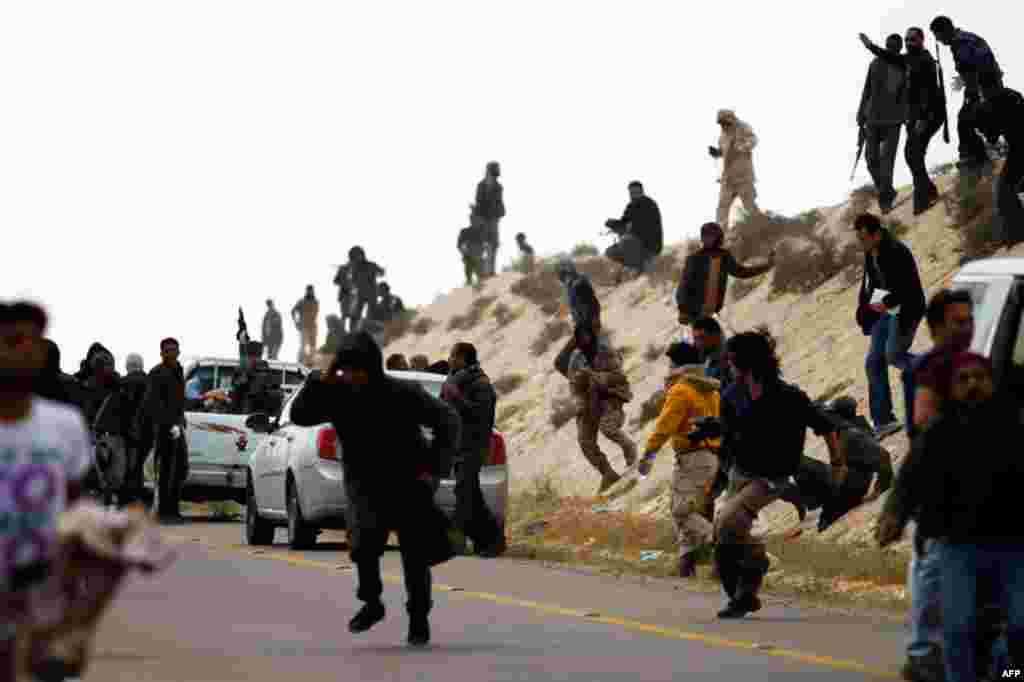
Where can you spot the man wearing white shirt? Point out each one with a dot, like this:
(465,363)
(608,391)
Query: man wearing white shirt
(45,452)
(889,309)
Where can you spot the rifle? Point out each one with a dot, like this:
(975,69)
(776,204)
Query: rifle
(942,89)
(861,137)
(242,336)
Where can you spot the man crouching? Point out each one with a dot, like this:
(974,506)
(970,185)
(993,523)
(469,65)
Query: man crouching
(391,474)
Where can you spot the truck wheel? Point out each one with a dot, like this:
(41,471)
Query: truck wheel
(258,531)
(300,534)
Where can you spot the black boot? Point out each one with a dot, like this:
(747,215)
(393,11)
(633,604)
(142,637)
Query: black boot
(727,569)
(750,571)
(368,616)
(419,630)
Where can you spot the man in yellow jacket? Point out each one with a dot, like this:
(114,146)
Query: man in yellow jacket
(689,395)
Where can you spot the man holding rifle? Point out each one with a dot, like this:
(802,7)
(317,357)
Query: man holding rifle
(925,111)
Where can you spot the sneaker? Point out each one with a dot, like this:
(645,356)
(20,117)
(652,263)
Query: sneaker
(419,631)
(883,430)
(366,618)
(738,608)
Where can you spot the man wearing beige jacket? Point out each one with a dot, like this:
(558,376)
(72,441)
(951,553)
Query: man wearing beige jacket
(735,147)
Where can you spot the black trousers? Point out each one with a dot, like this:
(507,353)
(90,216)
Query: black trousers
(472,515)
(629,252)
(171,470)
(972,146)
(1010,213)
(880,156)
(915,151)
(411,514)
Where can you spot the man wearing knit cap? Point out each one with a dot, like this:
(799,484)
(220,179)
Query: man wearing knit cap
(735,147)
(689,395)
(391,474)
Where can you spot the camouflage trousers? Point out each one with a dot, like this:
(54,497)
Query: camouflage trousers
(692,472)
(729,192)
(609,423)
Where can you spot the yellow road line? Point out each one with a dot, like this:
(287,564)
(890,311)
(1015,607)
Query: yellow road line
(624,623)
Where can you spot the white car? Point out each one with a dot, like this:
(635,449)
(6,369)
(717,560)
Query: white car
(295,477)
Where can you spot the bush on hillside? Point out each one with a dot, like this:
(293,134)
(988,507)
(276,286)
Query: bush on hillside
(504,315)
(974,213)
(422,326)
(552,332)
(665,270)
(472,316)
(741,288)
(584,250)
(602,272)
(508,383)
(398,327)
(802,270)
(541,288)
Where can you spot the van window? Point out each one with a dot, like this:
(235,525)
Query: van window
(985,317)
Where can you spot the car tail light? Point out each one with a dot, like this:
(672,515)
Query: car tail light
(498,457)
(327,443)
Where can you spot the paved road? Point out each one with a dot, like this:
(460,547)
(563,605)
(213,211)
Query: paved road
(229,612)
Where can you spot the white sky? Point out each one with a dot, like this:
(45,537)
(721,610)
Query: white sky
(163,163)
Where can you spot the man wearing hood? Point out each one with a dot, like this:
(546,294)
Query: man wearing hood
(883,108)
(488,210)
(581,300)
(140,435)
(469,390)
(736,148)
(390,474)
(925,112)
(85,367)
(689,394)
(107,413)
(600,388)
(964,509)
(705,278)
(54,384)
(165,409)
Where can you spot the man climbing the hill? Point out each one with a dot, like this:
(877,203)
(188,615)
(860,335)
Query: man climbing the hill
(736,148)
(882,110)
(689,394)
(973,59)
(639,230)
(709,341)
(600,388)
(926,110)
(357,282)
(581,300)
(304,316)
(702,286)
(890,307)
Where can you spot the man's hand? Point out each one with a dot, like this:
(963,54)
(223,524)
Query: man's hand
(715,152)
(887,530)
(865,40)
(175,432)
(957,84)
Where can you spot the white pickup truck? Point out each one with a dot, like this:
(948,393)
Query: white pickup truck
(219,443)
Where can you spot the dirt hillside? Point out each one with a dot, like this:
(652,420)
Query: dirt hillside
(512,319)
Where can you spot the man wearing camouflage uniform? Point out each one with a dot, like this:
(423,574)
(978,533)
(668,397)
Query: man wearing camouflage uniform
(601,388)
(689,394)
(735,147)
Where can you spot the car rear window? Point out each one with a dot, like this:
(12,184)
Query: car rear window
(432,387)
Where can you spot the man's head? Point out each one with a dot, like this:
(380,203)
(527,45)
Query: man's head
(359,360)
(681,354)
(102,366)
(711,235)
(356,254)
(309,291)
(270,303)
(950,318)
(636,190)
(753,357)
(419,363)
(726,119)
(170,349)
(384,289)
(494,169)
(133,363)
(23,351)
(52,357)
(894,43)
(566,270)
(463,355)
(914,39)
(943,29)
(521,238)
(707,335)
(971,381)
(397,363)
(869,231)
